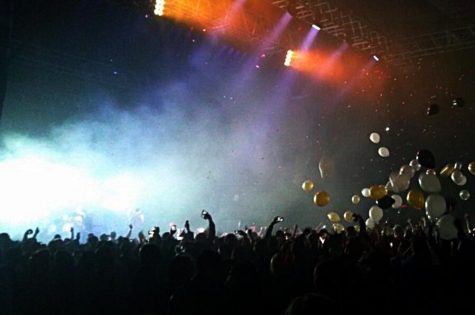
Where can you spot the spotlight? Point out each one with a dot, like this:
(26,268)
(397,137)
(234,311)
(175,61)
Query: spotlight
(159,7)
(457,102)
(376,58)
(289,57)
(315,26)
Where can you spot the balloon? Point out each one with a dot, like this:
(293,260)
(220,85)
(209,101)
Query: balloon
(377,191)
(407,170)
(458,166)
(357,228)
(397,201)
(458,178)
(447,229)
(447,170)
(426,158)
(355,199)
(414,164)
(389,186)
(471,168)
(385,202)
(383,152)
(338,228)
(399,182)
(333,217)
(375,213)
(463,180)
(348,216)
(464,194)
(374,137)
(415,198)
(365,192)
(321,198)
(326,166)
(370,223)
(308,185)
(429,183)
(435,206)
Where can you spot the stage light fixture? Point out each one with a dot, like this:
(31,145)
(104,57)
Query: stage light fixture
(159,7)
(315,26)
(376,58)
(289,57)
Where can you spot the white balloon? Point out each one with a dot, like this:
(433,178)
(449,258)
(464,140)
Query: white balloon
(375,213)
(464,194)
(397,201)
(429,183)
(369,223)
(456,175)
(415,164)
(435,206)
(447,229)
(458,166)
(374,137)
(458,178)
(383,152)
(365,192)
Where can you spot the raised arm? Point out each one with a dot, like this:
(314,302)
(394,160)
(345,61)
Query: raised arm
(211,226)
(27,233)
(269,229)
(129,233)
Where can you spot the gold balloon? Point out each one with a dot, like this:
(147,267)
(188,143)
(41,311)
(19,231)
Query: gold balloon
(308,185)
(377,192)
(338,227)
(321,198)
(471,168)
(415,198)
(355,199)
(333,217)
(348,216)
(447,170)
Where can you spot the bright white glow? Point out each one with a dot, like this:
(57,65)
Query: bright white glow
(159,7)
(288,58)
(315,26)
(375,57)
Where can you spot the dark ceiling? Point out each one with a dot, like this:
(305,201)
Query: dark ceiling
(401,31)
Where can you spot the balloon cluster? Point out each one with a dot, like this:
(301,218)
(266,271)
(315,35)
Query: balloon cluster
(320,198)
(427,196)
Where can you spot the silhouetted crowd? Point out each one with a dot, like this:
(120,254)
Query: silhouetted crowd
(387,270)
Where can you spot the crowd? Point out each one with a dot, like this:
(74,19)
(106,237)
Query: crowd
(399,269)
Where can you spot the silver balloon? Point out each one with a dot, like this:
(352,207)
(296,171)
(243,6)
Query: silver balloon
(429,183)
(464,194)
(435,206)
